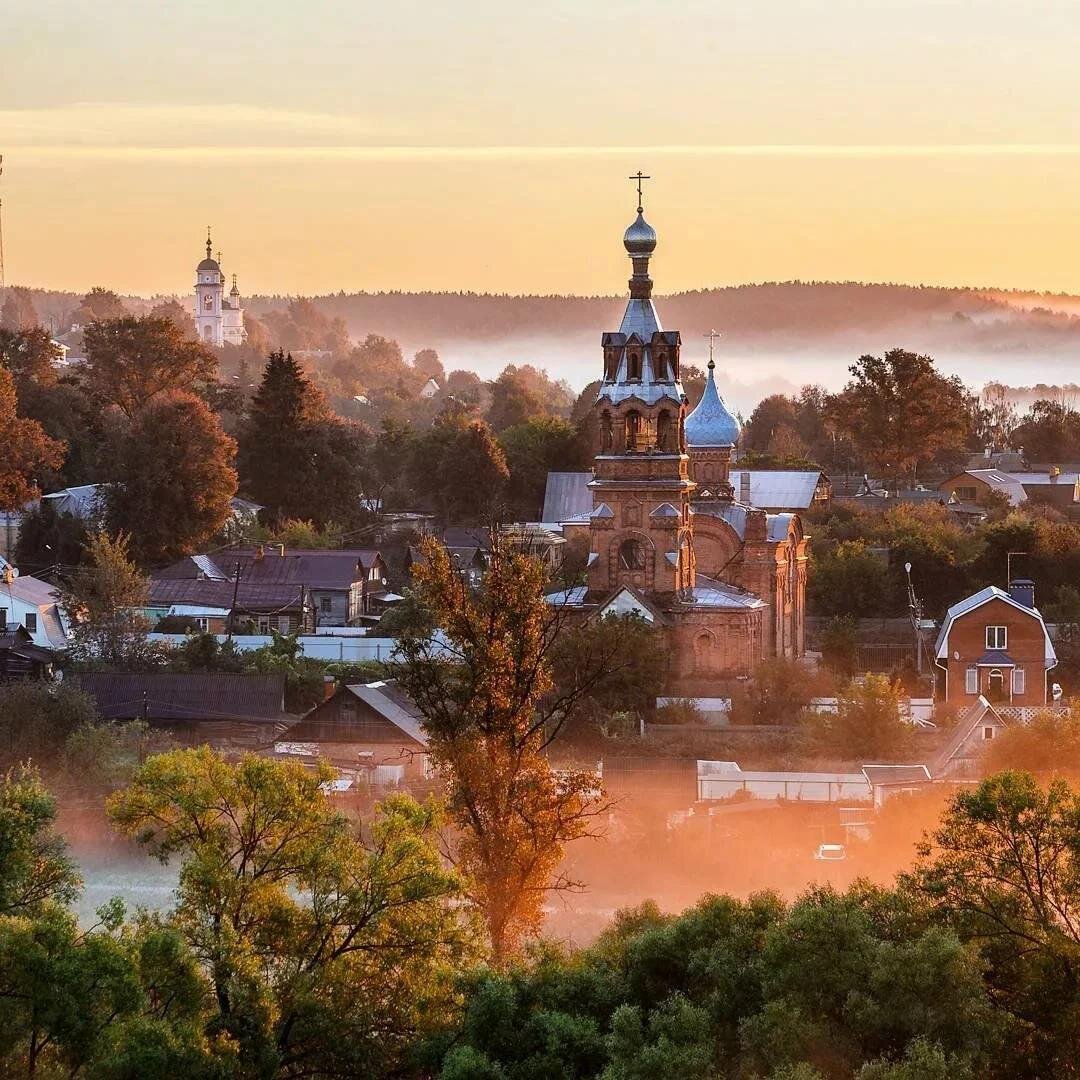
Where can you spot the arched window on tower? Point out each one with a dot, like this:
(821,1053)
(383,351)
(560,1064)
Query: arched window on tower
(635,431)
(607,435)
(611,364)
(664,432)
(660,364)
(633,365)
(632,554)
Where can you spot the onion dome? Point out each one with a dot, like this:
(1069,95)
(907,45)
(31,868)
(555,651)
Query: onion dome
(208,264)
(640,238)
(710,424)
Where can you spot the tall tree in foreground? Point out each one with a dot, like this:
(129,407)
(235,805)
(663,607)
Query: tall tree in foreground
(491,707)
(29,355)
(324,953)
(26,452)
(130,361)
(1004,869)
(900,413)
(172,478)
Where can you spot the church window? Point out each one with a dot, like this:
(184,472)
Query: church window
(663,431)
(633,365)
(635,435)
(661,365)
(611,364)
(208,302)
(703,651)
(606,433)
(632,554)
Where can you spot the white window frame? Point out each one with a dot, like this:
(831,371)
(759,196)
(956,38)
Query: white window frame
(971,680)
(1019,681)
(1003,636)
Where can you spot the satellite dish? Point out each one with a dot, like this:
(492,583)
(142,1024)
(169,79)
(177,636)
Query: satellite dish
(956,654)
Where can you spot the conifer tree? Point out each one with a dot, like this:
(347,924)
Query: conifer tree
(295,457)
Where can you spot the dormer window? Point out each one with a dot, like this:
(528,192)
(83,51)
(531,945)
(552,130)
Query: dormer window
(661,365)
(633,365)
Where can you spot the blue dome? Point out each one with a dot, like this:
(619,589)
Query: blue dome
(710,424)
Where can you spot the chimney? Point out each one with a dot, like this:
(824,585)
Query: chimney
(1022,590)
(744,488)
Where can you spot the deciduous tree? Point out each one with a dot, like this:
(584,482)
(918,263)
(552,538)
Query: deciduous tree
(103,601)
(900,413)
(18,312)
(130,361)
(172,478)
(27,450)
(324,953)
(491,707)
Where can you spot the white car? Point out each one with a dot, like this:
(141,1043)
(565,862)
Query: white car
(830,853)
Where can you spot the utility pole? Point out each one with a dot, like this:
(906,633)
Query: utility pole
(232,610)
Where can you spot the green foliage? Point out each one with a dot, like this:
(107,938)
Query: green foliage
(47,538)
(849,579)
(634,665)
(35,870)
(99,758)
(102,603)
(867,725)
(533,449)
(323,953)
(36,718)
(779,693)
(840,645)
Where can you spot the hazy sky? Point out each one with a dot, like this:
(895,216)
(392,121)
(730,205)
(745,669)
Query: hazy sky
(483,145)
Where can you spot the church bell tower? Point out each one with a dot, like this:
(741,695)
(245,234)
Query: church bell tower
(641,530)
(209,287)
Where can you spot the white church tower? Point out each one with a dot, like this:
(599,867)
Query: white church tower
(218,321)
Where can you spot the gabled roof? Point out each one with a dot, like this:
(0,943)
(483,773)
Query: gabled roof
(888,775)
(972,717)
(185,695)
(1004,482)
(976,600)
(392,705)
(249,595)
(782,489)
(626,600)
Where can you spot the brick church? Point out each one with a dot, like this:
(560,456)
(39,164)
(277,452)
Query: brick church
(668,539)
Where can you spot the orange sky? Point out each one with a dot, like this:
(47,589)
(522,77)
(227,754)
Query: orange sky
(484,145)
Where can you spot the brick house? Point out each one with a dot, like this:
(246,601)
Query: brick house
(995,644)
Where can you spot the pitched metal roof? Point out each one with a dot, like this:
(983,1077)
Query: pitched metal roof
(185,695)
(976,600)
(392,705)
(165,592)
(779,489)
(566,495)
(885,775)
(968,720)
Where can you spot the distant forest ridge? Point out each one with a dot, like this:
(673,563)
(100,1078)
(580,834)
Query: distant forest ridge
(799,311)
(786,315)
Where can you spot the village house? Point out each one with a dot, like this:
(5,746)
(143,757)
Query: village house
(32,604)
(1054,486)
(959,757)
(346,585)
(371,730)
(995,644)
(223,710)
(213,606)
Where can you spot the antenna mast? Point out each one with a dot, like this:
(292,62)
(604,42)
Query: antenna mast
(2,282)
